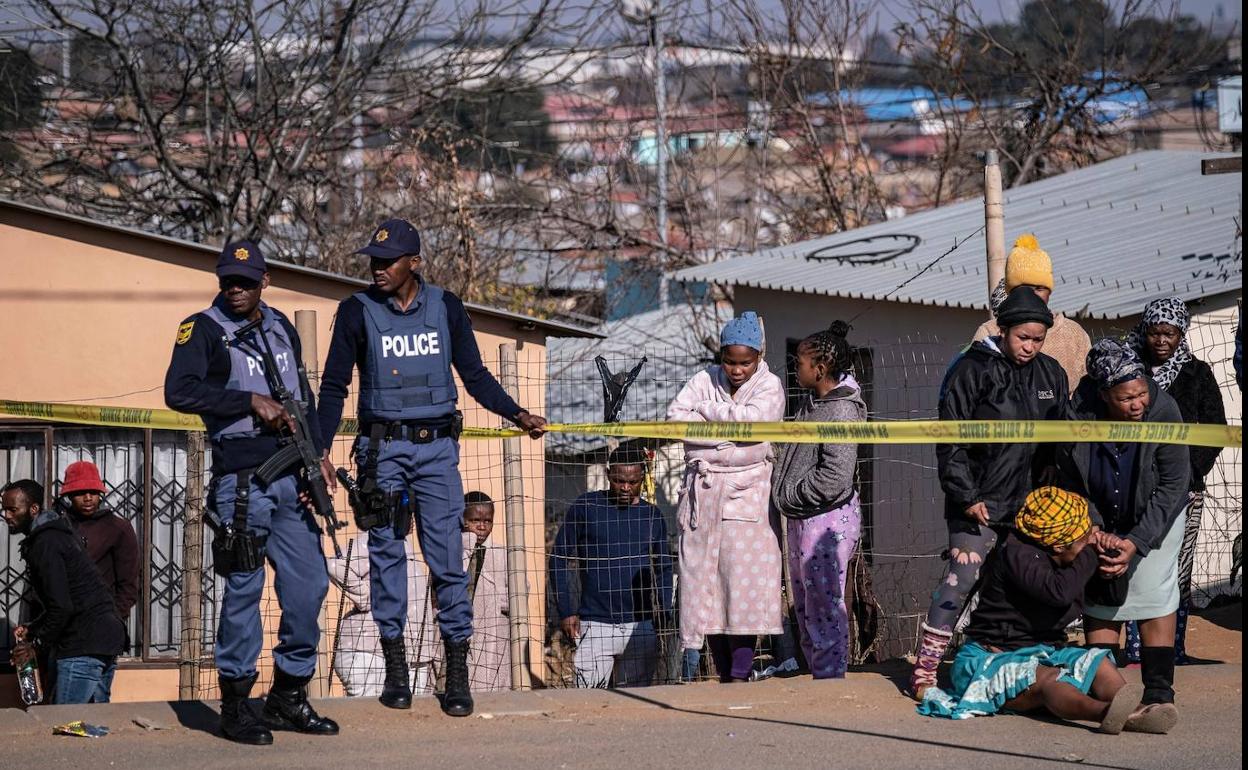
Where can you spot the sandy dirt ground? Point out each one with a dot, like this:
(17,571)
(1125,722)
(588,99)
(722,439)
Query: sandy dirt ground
(862,721)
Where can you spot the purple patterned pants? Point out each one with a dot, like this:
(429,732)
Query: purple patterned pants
(819,552)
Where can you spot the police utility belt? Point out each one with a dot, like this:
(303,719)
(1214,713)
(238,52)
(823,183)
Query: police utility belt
(374,507)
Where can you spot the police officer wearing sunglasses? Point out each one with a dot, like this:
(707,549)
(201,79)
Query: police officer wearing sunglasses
(218,374)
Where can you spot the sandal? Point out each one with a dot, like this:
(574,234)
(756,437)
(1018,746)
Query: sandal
(1155,718)
(1123,705)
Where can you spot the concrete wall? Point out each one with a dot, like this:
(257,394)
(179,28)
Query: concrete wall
(90,316)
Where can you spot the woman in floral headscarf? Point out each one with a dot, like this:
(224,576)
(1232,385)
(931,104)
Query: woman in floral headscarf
(1161,341)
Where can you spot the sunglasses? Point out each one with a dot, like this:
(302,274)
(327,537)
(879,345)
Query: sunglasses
(237,281)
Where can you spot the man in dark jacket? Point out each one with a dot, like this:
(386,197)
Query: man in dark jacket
(614,544)
(109,539)
(78,627)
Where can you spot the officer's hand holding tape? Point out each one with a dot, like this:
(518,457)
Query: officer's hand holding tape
(534,424)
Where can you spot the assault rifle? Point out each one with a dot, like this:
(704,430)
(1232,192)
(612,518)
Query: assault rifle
(300,450)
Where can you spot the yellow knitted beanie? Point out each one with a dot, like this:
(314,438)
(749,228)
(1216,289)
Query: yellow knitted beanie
(1028,265)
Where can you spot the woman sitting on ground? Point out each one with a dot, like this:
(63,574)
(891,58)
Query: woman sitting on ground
(1016,656)
(1139,492)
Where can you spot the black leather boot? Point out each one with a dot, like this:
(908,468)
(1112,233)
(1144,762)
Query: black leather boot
(287,706)
(1157,673)
(238,722)
(396,692)
(457,701)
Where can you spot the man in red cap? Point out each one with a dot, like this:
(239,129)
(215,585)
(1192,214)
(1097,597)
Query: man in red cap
(109,539)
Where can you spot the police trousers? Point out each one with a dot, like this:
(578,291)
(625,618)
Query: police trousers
(430,474)
(301,579)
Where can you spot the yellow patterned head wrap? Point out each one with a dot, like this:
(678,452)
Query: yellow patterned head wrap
(1053,517)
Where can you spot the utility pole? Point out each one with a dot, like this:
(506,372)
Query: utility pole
(994,221)
(650,13)
(660,128)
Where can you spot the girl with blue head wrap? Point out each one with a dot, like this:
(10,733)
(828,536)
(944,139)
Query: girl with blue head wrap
(741,348)
(730,561)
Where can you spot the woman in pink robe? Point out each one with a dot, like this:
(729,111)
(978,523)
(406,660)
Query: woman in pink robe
(730,563)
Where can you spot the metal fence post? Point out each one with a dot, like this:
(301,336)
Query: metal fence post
(513,490)
(192,646)
(305,326)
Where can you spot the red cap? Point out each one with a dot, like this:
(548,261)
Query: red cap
(82,476)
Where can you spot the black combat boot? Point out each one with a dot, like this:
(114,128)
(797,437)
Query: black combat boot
(396,693)
(238,722)
(457,701)
(287,706)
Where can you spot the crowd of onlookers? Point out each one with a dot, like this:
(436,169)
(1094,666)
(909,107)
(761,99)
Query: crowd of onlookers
(1044,534)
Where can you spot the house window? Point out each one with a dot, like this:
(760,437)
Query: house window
(145,475)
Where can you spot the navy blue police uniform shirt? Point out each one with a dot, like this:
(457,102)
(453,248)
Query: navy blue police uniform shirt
(349,348)
(196,384)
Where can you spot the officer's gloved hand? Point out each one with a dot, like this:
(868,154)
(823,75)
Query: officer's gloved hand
(534,424)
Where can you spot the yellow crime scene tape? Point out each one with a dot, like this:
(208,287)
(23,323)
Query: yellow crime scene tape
(876,432)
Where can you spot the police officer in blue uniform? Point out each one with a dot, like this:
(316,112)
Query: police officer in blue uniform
(404,335)
(220,377)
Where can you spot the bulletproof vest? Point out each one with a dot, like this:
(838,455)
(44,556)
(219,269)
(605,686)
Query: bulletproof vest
(247,368)
(407,372)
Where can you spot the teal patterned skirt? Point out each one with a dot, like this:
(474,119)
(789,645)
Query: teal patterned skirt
(983,681)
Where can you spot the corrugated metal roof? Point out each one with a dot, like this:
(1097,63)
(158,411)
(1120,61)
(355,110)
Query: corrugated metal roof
(1120,233)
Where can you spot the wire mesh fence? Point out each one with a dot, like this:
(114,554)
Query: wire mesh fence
(562,546)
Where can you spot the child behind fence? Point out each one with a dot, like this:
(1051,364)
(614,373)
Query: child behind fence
(813,487)
(489,661)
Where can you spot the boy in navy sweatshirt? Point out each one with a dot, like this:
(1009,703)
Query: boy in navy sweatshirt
(615,545)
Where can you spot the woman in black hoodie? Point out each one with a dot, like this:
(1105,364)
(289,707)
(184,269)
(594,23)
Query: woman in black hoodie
(999,378)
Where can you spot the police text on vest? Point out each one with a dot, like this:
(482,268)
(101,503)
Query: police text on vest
(408,345)
(255,366)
